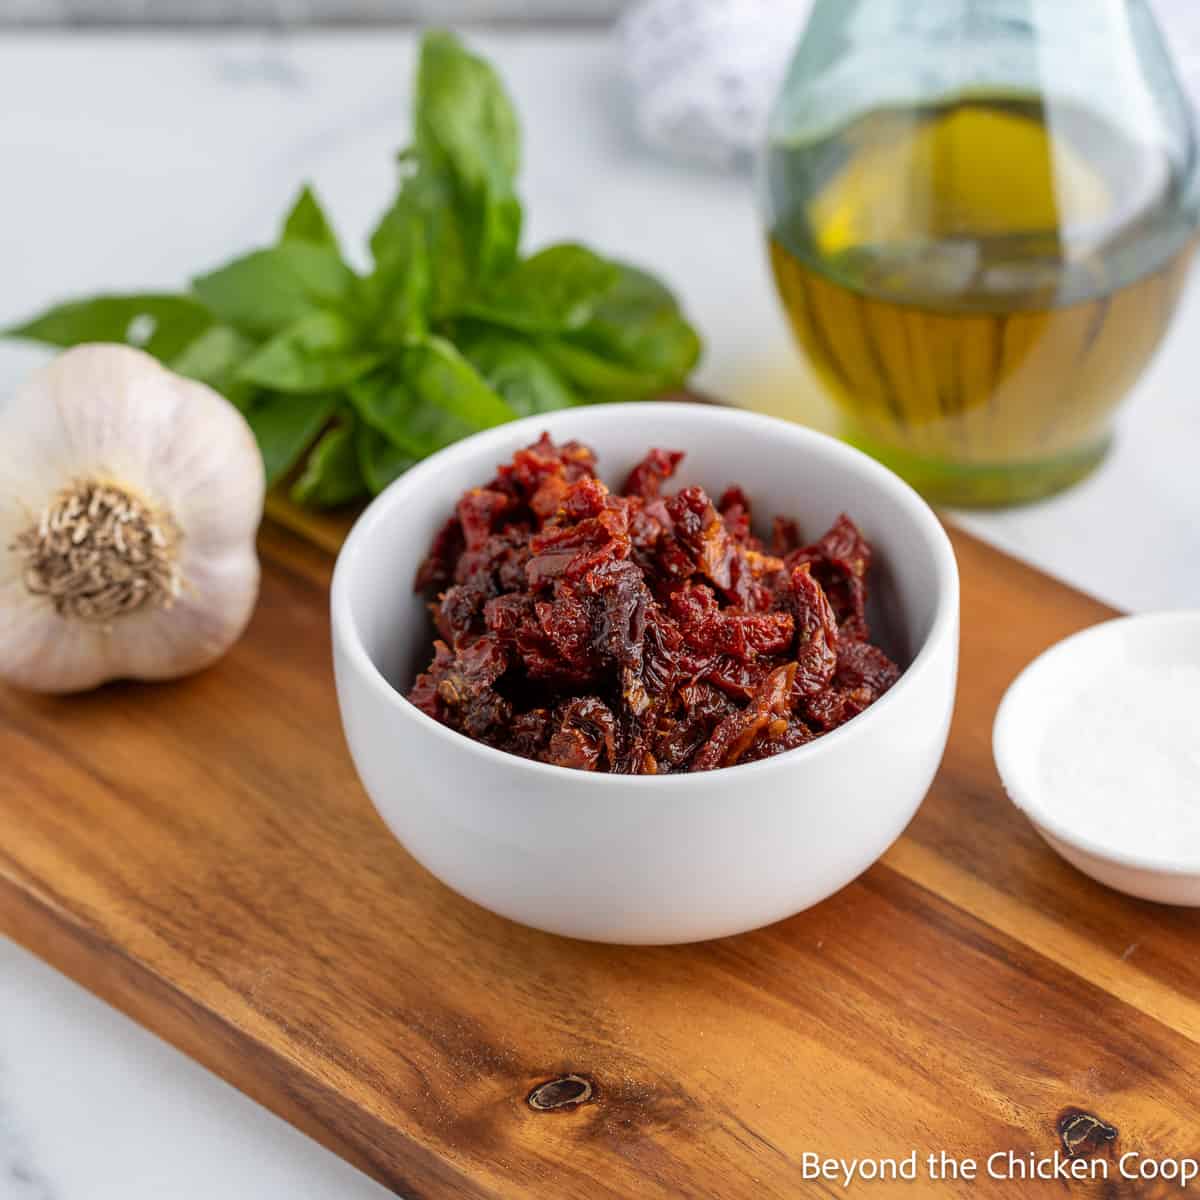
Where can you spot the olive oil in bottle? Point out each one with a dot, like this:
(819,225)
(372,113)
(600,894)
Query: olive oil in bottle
(978,283)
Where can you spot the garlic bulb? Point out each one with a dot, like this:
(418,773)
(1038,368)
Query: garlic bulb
(129,502)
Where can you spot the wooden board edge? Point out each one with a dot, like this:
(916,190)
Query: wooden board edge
(383,1152)
(324,530)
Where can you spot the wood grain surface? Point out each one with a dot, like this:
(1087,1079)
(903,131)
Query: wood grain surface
(202,856)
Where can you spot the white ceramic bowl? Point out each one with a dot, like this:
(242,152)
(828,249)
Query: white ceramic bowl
(654,859)
(1035,699)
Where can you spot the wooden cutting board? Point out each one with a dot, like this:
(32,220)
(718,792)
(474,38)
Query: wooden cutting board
(202,856)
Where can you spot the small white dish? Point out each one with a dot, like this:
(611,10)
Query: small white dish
(1036,698)
(650,859)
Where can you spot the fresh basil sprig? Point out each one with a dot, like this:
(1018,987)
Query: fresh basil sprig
(348,378)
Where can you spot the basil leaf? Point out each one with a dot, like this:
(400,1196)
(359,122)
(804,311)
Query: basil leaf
(306,222)
(214,358)
(464,113)
(267,290)
(285,427)
(392,240)
(521,375)
(398,292)
(448,242)
(556,290)
(379,460)
(427,397)
(331,475)
(314,354)
(439,375)
(593,375)
(162,325)
(467,146)
(639,324)
(388,404)
(636,344)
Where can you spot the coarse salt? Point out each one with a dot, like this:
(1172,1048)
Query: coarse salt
(1120,763)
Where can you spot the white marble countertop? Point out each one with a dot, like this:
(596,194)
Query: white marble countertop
(131,160)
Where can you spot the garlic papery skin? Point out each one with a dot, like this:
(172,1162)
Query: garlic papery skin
(130,500)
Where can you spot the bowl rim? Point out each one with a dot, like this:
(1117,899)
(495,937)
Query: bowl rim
(1012,760)
(925,522)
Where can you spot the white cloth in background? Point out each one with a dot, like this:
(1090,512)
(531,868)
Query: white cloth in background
(704,72)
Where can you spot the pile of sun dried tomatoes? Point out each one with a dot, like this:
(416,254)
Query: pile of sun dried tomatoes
(641,633)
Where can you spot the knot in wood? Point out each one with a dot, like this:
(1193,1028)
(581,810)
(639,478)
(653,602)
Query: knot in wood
(1083,1132)
(568,1091)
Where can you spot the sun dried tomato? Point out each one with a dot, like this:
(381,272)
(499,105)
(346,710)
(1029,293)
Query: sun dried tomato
(816,633)
(734,508)
(701,533)
(706,626)
(640,633)
(699,708)
(785,536)
(860,664)
(734,677)
(479,511)
(458,613)
(437,568)
(528,733)
(771,703)
(531,467)
(586,533)
(585,736)
(751,579)
(459,687)
(796,734)
(840,561)
(647,478)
